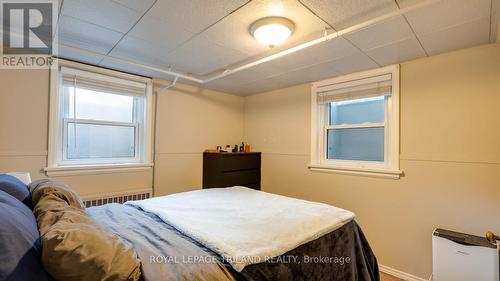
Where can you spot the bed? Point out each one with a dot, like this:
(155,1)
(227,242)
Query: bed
(232,234)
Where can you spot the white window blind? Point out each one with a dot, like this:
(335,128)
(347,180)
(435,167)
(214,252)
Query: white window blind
(364,88)
(96,82)
(100,119)
(355,123)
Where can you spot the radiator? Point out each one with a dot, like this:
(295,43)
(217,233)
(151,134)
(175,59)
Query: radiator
(119,197)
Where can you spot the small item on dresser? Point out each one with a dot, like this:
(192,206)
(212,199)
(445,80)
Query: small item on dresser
(247,148)
(228,148)
(219,148)
(242,147)
(235,148)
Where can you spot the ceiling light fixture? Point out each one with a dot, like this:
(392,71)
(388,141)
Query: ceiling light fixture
(272,31)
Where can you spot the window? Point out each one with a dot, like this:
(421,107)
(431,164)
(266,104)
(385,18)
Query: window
(356,124)
(100,120)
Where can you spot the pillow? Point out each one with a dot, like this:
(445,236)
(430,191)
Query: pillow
(74,247)
(48,187)
(16,188)
(19,242)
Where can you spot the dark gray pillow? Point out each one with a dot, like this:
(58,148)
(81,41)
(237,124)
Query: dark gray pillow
(15,188)
(20,258)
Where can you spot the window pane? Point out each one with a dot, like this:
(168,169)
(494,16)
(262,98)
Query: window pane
(364,144)
(90,141)
(94,105)
(369,110)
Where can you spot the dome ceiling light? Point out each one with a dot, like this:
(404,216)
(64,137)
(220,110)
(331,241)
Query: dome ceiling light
(272,31)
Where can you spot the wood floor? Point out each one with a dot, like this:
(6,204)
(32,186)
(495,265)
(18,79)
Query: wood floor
(387,277)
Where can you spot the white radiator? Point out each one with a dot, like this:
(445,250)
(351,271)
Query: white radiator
(119,197)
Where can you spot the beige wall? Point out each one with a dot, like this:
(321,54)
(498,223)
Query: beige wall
(24,105)
(450,155)
(24,113)
(189,119)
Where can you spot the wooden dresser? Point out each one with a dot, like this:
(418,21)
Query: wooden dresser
(230,169)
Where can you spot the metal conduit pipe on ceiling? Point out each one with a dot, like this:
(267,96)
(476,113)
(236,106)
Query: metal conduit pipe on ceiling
(237,68)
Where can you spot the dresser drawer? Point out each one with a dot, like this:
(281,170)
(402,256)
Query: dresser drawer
(240,162)
(230,169)
(240,177)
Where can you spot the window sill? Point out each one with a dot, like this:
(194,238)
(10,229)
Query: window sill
(95,169)
(359,171)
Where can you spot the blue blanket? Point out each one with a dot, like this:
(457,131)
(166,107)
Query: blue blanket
(165,253)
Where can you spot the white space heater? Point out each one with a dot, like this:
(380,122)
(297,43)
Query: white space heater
(463,257)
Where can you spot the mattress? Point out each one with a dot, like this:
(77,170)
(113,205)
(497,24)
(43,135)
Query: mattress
(167,254)
(243,225)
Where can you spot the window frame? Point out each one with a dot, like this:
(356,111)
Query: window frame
(58,164)
(320,123)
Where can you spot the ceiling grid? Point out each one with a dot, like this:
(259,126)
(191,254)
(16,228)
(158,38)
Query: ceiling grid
(412,30)
(333,28)
(118,42)
(205,37)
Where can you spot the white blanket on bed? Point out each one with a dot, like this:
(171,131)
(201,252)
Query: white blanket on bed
(243,225)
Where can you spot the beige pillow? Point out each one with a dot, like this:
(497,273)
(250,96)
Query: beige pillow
(44,187)
(75,248)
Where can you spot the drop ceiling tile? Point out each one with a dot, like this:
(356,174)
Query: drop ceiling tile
(78,33)
(330,50)
(299,76)
(222,83)
(458,37)
(342,14)
(311,73)
(106,62)
(225,85)
(282,77)
(258,72)
(233,31)
(140,6)
(201,56)
(384,33)
(445,14)
(79,56)
(161,32)
(405,50)
(194,15)
(260,86)
(142,51)
(105,13)
(278,81)
(353,63)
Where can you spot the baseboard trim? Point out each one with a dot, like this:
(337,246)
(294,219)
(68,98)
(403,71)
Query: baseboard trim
(400,274)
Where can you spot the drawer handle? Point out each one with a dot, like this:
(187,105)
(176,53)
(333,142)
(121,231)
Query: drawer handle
(463,253)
